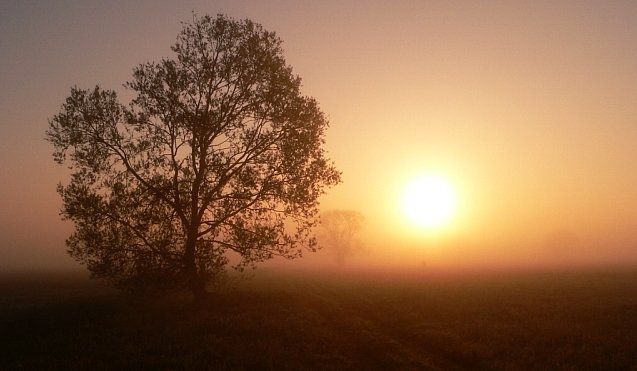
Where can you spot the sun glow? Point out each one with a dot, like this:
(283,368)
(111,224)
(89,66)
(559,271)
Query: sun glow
(429,201)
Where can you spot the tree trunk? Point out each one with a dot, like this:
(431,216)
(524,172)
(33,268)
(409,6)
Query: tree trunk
(195,280)
(198,287)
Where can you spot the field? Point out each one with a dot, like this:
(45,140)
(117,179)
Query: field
(573,320)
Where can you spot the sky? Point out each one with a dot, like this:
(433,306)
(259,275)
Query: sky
(526,107)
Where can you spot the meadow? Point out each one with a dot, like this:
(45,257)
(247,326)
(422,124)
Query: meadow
(339,320)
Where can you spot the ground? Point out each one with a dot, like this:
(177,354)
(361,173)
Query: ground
(572,320)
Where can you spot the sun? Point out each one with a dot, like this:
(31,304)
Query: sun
(429,201)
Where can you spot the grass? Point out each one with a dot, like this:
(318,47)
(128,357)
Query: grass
(289,321)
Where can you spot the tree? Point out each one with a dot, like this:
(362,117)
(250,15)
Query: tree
(218,151)
(339,230)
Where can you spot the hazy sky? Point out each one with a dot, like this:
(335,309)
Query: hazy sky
(528,107)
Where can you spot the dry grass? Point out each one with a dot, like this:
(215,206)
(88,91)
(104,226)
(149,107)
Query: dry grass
(570,321)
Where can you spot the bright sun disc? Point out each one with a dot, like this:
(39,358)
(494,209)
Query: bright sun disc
(429,201)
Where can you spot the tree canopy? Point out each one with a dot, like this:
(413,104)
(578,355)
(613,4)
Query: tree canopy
(218,151)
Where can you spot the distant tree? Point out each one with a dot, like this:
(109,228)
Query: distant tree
(218,151)
(339,233)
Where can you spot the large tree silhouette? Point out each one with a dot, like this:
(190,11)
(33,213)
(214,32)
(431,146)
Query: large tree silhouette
(218,151)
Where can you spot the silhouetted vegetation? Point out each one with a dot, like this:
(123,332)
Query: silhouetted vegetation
(218,152)
(375,320)
(339,233)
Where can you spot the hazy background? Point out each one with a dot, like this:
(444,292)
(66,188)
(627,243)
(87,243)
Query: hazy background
(529,108)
